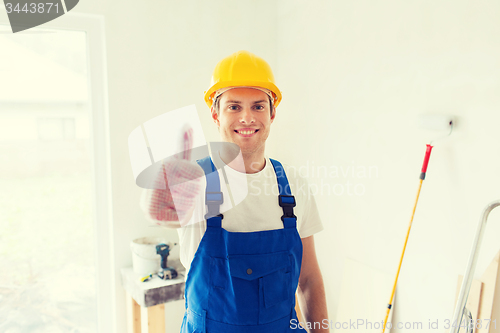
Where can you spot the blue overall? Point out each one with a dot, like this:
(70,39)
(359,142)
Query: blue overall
(244,282)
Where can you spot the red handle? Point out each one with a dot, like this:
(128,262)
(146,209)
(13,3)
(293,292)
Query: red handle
(426,161)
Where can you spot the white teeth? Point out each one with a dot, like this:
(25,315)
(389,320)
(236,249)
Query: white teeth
(246,132)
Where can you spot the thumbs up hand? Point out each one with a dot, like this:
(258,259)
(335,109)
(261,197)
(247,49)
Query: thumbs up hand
(176,186)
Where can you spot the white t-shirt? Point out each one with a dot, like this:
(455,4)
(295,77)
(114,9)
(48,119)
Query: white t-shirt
(251,204)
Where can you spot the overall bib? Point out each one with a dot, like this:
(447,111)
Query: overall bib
(244,282)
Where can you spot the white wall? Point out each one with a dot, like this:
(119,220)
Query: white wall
(354,75)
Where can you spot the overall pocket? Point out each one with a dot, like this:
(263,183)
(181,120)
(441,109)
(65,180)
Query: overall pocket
(268,278)
(276,287)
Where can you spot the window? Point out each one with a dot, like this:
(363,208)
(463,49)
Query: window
(47,236)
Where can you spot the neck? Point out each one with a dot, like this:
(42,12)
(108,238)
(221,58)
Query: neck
(245,162)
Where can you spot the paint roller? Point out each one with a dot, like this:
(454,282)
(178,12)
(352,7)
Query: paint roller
(436,122)
(433,122)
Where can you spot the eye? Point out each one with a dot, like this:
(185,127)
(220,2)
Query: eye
(259,107)
(233,107)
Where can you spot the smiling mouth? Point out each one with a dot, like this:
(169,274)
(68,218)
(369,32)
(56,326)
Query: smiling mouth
(246,132)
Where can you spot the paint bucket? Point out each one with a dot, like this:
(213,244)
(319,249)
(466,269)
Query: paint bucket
(144,258)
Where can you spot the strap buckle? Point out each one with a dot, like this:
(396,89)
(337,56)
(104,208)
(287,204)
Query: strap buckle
(208,216)
(213,200)
(287,202)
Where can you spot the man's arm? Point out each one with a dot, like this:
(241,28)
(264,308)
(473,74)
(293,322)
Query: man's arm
(311,291)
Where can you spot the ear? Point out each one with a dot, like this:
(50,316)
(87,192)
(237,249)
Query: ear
(273,114)
(215,116)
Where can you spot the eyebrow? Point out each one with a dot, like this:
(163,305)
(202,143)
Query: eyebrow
(239,102)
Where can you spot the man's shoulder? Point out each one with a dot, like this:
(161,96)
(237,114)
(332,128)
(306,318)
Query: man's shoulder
(291,171)
(299,185)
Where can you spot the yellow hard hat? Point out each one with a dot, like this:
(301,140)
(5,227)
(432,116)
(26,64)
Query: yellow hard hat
(242,69)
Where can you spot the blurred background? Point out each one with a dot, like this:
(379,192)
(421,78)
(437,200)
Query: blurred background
(355,77)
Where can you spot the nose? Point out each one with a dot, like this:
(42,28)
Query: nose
(247,116)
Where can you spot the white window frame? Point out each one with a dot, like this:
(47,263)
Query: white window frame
(93,26)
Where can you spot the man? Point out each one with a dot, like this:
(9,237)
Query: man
(244,265)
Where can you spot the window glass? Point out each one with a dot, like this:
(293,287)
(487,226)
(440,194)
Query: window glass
(47,237)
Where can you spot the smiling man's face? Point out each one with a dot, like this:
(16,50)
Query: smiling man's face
(244,118)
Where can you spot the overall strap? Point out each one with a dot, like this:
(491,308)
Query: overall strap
(213,194)
(285,198)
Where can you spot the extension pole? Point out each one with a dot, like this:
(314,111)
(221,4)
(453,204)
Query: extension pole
(422,177)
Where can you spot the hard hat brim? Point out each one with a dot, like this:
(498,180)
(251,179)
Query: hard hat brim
(219,85)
